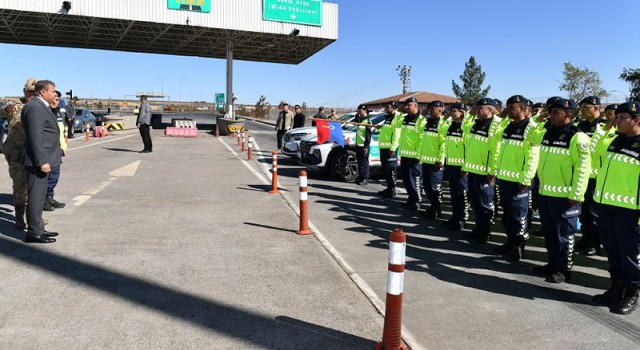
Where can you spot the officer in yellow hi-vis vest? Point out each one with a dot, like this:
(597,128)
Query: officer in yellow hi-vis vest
(617,192)
(563,169)
(410,138)
(363,139)
(432,155)
(389,141)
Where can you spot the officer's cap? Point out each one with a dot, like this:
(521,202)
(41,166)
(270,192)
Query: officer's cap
(529,103)
(611,107)
(498,102)
(458,106)
(591,100)
(436,103)
(486,102)
(30,85)
(632,108)
(58,93)
(410,99)
(538,105)
(516,99)
(563,103)
(362,107)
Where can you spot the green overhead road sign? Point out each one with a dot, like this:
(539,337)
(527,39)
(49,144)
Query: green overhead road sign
(219,101)
(307,12)
(190,5)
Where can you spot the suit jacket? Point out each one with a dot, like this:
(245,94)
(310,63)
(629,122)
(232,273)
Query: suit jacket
(42,135)
(288,120)
(144,117)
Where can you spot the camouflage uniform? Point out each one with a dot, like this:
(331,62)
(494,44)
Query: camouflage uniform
(11,150)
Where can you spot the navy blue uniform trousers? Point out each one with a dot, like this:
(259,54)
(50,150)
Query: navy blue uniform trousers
(411,177)
(481,197)
(458,188)
(363,163)
(621,241)
(559,232)
(389,162)
(515,207)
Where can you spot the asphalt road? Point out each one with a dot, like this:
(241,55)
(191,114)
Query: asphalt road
(459,295)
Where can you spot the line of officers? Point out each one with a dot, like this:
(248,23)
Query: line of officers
(567,162)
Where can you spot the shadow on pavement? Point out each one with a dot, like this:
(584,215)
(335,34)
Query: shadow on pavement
(269,227)
(121,150)
(281,332)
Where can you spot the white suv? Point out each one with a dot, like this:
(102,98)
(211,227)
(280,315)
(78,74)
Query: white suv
(291,139)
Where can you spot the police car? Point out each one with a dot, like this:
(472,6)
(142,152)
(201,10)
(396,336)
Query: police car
(291,139)
(340,162)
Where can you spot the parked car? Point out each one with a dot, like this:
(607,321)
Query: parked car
(340,161)
(84,117)
(291,139)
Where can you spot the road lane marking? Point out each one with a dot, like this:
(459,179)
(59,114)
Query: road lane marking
(355,277)
(127,170)
(100,142)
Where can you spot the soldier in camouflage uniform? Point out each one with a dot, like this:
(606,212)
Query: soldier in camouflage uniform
(11,150)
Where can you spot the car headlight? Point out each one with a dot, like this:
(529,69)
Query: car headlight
(287,137)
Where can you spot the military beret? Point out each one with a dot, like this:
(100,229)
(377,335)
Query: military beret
(459,106)
(529,103)
(394,104)
(591,100)
(497,102)
(362,107)
(538,105)
(632,108)
(516,99)
(435,104)
(611,107)
(553,99)
(563,103)
(411,99)
(486,102)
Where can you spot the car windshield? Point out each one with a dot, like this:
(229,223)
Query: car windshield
(79,111)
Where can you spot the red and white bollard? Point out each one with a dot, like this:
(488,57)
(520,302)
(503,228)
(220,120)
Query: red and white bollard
(238,138)
(249,147)
(304,205)
(87,129)
(232,135)
(274,173)
(243,142)
(392,334)
(217,129)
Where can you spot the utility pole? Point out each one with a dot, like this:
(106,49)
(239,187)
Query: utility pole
(404,73)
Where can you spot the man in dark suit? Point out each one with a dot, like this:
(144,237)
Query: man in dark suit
(41,152)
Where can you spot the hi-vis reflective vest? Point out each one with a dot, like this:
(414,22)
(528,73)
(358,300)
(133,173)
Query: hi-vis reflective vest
(481,146)
(363,134)
(565,163)
(432,147)
(518,156)
(618,181)
(411,136)
(390,132)
(454,149)
(596,132)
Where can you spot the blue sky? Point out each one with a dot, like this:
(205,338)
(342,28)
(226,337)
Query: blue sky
(521,46)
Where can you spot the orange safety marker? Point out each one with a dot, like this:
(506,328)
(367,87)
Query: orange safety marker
(103,131)
(86,137)
(274,173)
(249,147)
(232,135)
(243,143)
(391,336)
(238,138)
(217,130)
(304,205)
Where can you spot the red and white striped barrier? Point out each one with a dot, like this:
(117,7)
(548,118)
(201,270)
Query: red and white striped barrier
(243,142)
(249,148)
(274,173)
(238,139)
(392,334)
(304,205)
(88,130)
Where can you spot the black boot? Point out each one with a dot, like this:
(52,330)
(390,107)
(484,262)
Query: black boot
(48,206)
(457,225)
(505,247)
(629,301)
(54,203)
(613,295)
(482,236)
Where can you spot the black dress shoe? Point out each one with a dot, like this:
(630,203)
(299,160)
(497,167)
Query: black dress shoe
(47,206)
(144,151)
(457,226)
(50,234)
(628,303)
(559,277)
(544,270)
(363,182)
(35,239)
